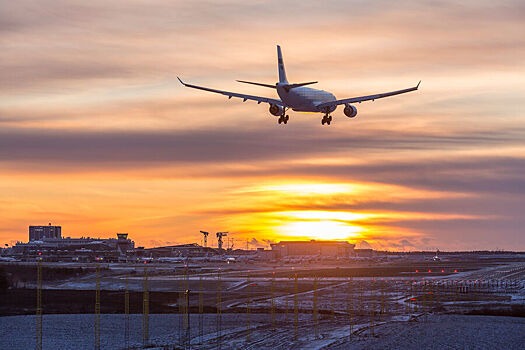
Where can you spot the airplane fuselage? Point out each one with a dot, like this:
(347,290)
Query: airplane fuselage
(298,97)
(304,99)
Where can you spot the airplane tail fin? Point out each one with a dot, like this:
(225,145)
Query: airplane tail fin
(280,64)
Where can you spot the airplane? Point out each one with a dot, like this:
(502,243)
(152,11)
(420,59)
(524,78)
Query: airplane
(300,98)
(7,259)
(170,260)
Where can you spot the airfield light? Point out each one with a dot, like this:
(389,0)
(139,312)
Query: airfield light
(455,271)
(417,271)
(442,270)
(429,270)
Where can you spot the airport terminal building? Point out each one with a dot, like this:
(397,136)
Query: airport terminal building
(328,249)
(46,243)
(38,233)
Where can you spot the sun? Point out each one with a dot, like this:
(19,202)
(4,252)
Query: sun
(291,210)
(321,225)
(320,230)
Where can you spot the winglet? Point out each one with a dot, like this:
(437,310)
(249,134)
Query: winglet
(181,81)
(417,86)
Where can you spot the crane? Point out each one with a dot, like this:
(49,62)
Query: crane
(219,239)
(205,234)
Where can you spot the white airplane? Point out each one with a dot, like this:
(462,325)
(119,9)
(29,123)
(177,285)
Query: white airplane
(300,98)
(170,260)
(7,259)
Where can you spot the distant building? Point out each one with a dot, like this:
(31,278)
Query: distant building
(333,249)
(181,250)
(38,233)
(74,249)
(264,254)
(364,253)
(124,244)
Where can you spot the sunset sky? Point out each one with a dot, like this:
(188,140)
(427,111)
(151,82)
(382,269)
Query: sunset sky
(97,135)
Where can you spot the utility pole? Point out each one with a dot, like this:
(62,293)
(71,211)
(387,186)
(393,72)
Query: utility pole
(39,306)
(145,309)
(187,336)
(97,310)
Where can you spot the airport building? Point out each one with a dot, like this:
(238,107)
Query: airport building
(364,253)
(38,233)
(326,249)
(49,245)
(181,250)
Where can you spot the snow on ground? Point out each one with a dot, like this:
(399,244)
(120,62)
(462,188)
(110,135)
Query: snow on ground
(427,332)
(443,332)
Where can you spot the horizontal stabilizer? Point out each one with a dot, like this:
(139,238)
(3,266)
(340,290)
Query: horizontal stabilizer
(288,87)
(258,84)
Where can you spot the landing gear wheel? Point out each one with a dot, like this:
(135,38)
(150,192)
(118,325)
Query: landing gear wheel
(283,119)
(327,119)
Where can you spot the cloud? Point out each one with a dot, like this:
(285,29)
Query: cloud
(254,242)
(363,245)
(67,44)
(444,173)
(114,148)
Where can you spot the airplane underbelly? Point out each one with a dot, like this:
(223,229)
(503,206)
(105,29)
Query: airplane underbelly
(300,103)
(304,109)
(305,99)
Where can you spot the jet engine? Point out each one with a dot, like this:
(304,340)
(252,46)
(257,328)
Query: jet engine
(350,111)
(276,110)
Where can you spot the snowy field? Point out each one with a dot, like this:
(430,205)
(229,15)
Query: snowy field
(416,310)
(443,332)
(427,332)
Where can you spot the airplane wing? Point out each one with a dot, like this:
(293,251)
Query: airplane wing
(366,98)
(259,99)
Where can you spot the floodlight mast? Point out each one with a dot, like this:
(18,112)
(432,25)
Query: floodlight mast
(205,241)
(219,239)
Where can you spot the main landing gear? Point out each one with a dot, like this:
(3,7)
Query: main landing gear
(327,119)
(283,119)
